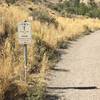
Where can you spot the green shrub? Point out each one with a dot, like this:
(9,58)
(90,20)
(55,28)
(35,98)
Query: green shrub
(10,1)
(44,17)
(94,13)
(36,92)
(77,8)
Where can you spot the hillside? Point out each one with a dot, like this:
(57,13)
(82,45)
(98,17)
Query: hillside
(50,32)
(87,1)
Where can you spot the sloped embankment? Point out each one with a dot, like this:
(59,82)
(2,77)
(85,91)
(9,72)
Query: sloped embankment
(50,31)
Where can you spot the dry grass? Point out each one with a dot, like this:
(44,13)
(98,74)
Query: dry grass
(11,60)
(68,28)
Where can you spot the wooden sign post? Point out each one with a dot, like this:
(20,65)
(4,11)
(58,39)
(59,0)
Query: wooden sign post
(25,38)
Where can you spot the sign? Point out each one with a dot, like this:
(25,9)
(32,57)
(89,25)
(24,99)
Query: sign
(25,37)
(25,32)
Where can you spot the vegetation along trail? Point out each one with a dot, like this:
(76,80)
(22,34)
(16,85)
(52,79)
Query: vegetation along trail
(77,75)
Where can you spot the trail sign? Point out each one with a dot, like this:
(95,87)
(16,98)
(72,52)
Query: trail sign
(25,32)
(25,37)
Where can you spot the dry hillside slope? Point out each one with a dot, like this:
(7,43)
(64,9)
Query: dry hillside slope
(49,32)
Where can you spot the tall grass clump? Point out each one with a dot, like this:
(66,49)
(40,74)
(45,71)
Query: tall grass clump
(11,62)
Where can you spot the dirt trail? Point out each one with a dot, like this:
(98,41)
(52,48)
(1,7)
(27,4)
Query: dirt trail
(77,75)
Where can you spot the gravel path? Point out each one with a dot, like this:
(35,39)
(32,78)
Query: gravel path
(77,75)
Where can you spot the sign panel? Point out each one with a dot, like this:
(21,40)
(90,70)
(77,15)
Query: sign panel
(25,32)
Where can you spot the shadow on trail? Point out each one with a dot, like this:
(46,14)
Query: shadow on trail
(51,97)
(62,70)
(79,88)
(55,97)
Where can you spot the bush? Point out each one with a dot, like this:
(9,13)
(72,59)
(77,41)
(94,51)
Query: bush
(36,92)
(82,9)
(44,17)
(90,10)
(38,1)
(94,13)
(10,1)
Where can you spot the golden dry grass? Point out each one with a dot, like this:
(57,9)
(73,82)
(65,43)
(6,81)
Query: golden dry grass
(68,28)
(11,60)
